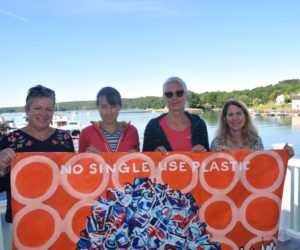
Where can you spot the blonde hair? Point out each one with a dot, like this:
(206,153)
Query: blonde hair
(249,131)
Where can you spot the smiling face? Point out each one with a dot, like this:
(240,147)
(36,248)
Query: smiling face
(177,101)
(235,118)
(40,113)
(109,113)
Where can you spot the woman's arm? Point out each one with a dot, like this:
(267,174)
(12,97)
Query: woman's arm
(148,136)
(289,150)
(136,146)
(6,156)
(82,142)
(217,146)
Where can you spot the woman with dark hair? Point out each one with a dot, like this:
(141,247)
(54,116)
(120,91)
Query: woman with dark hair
(37,136)
(236,131)
(109,135)
(177,130)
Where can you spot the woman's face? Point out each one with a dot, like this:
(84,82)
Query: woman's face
(40,112)
(174,96)
(109,113)
(235,118)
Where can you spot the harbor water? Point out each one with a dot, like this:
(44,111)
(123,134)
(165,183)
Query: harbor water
(273,130)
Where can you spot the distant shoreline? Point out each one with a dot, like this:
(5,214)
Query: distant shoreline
(254,112)
(259,110)
(190,110)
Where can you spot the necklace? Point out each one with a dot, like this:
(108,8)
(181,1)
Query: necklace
(36,134)
(44,134)
(239,147)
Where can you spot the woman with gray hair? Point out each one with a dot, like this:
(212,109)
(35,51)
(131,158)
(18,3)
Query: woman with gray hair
(37,136)
(176,130)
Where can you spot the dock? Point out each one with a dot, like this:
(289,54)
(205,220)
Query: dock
(6,126)
(280,113)
(165,110)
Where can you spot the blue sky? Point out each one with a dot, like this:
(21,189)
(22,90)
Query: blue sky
(78,46)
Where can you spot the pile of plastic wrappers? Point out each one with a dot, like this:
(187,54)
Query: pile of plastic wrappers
(145,215)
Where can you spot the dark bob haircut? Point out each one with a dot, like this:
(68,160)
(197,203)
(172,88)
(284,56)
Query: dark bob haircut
(39,91)
(112,96)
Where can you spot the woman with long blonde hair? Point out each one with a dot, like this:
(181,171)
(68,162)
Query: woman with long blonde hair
(236,131)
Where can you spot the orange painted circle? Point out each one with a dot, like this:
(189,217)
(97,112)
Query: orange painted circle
(40,176)
(218,215)
(224,246)
(79,219)
(263,171)
(262,213)
(174,178)
(133,169)
(35,228)
(85,178)
(220,174)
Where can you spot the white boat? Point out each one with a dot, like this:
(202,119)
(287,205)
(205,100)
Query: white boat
(6,126)
(253,113)
(62,122)
(150,110)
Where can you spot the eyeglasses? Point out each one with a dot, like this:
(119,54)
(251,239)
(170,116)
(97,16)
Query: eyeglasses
(178,93)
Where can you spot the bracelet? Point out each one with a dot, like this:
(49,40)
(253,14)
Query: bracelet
(3,173)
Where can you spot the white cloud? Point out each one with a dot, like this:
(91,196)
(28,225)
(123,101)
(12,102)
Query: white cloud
(10,14)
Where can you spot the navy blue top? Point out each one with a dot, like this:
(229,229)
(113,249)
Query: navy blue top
(155,136)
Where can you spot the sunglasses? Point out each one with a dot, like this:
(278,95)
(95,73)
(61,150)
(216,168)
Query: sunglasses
(178,93)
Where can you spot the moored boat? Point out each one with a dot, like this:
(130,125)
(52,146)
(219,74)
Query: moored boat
(6,126)
(62,122)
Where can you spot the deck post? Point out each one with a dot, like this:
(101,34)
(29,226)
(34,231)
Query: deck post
(285,213)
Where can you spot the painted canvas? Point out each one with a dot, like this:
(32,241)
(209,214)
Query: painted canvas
(147,200)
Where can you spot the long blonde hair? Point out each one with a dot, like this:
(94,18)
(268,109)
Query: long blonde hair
(249,132)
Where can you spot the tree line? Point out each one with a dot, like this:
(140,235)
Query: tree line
(253,97)
(214,99)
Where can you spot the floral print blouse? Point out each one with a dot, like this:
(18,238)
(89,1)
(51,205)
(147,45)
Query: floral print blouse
(216,144)
(19,141)
(59,141)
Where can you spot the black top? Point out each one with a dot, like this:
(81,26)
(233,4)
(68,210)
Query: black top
(155,136)
(19,141)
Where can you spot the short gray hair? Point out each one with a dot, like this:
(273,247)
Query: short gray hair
(176,79)
(39,91)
